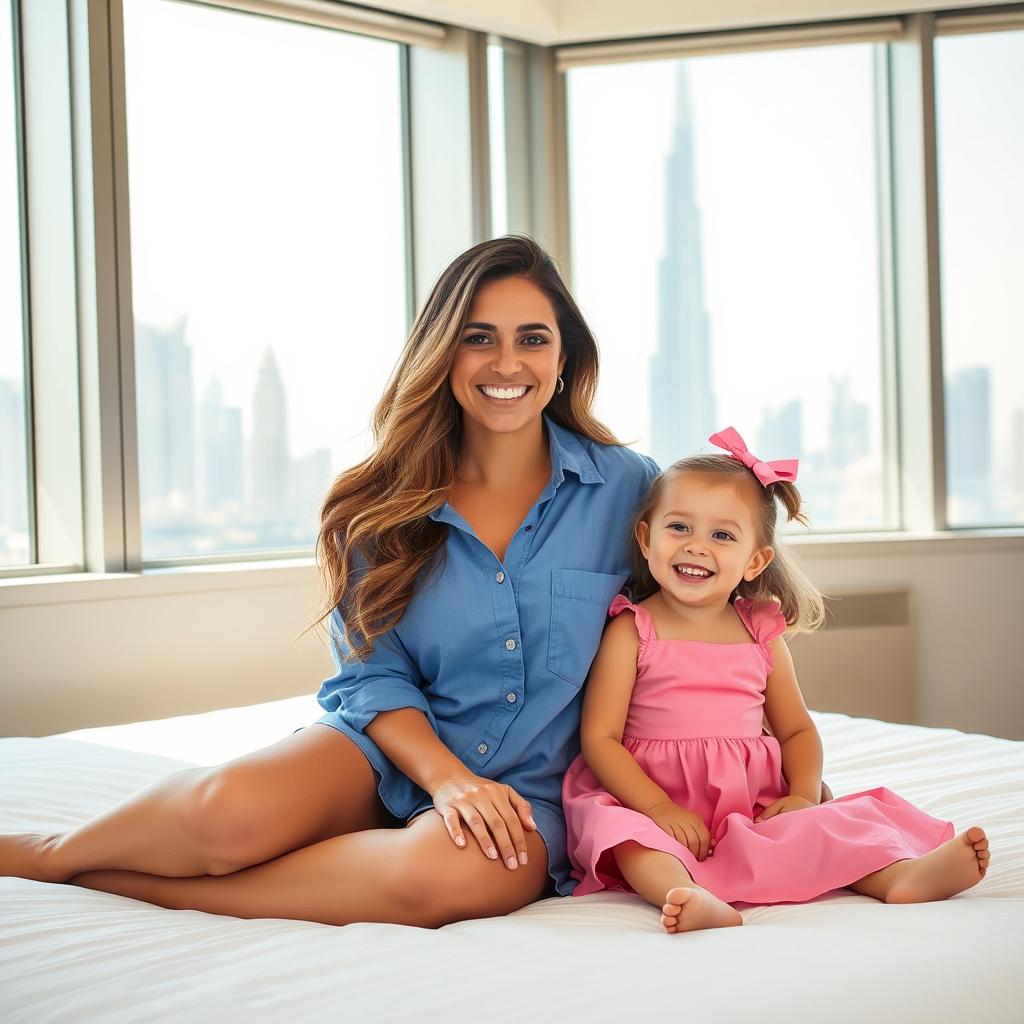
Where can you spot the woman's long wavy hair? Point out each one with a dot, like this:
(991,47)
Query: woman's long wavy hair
(376,541)
(800,601)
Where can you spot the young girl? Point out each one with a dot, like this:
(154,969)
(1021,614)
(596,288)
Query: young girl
(678,794)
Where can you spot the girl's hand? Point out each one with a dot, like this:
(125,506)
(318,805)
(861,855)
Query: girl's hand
(495,813)
(684,826)
(784,806)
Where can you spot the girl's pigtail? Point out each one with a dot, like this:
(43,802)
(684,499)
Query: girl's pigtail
(801,603)
(791,501)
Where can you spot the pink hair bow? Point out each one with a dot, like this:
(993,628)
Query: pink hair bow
(766,472)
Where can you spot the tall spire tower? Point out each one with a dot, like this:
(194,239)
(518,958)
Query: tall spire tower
(270,456)
(681,400)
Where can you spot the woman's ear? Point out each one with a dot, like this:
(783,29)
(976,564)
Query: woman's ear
(757,565)
(643,537)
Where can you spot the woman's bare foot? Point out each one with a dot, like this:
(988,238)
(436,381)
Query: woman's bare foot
(951,868)
(24,855)
(687,909)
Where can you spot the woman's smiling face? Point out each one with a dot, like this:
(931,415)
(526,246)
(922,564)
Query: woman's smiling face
(509,355)
(700,540)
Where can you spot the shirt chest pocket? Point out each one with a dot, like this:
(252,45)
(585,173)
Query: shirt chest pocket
(579,608)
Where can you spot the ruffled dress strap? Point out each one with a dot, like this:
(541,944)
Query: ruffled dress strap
(642,617)
(764,622)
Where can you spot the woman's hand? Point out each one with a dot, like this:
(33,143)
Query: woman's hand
(784,806)
(494,812)
(684,826)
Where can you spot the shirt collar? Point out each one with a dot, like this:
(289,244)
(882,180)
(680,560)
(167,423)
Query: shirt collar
(567,453)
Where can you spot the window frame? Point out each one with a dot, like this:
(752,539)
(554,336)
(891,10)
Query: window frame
(78,276)
(43,121)
(913,391)
(881,34)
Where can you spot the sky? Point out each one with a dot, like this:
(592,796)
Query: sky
(248,139)
(980,99)
(786,195)
(267,206)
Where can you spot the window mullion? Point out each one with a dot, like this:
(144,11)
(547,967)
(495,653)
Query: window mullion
(97,280)
(28,416)
(918,309)
(889,354)
(131,510)
(442,186)
(49,268)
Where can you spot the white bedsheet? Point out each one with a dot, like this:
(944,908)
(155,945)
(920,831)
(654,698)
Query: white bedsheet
(68,954)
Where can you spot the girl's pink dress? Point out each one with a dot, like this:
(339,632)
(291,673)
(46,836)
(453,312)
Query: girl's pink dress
(694,726)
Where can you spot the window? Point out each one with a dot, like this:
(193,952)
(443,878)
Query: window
(15,509)
(725,249)
(496,137)
(268,233)
(980,111)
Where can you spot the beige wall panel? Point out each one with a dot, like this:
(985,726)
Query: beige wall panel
(85,662)
(100,662)
(869,672)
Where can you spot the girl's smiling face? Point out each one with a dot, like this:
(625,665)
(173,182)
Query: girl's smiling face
(509,355)
(700,539)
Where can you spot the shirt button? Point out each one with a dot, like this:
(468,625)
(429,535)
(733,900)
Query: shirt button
(510,697)
(528,529)
(500,577)
(482,749)
(510,645)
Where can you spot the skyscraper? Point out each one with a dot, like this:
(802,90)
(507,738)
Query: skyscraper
(849,437)
(969,443)
(682,402)
(163,374)
(220,448)
(269,443)
(781,433)
(310,478)
(1017,454)
(13,476)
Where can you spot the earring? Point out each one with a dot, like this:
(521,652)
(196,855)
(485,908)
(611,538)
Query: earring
(560,386)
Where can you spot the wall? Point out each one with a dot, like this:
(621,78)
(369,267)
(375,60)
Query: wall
(120,649)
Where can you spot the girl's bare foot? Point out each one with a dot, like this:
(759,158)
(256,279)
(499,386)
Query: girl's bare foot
(687,909)
(951,868)
(24,855)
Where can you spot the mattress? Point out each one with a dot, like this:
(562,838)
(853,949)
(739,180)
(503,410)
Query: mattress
(70,954)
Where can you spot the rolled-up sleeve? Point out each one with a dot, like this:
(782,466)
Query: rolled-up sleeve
(360,690)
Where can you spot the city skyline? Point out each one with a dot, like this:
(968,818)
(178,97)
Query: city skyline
(207,485)
(224,494)
(841,484)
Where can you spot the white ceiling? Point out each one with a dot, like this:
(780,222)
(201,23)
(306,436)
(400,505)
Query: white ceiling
(552,22)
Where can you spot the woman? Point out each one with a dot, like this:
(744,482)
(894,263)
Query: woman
(469,561)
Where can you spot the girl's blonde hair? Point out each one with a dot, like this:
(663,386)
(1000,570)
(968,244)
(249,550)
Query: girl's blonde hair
(783,580)
(376,541)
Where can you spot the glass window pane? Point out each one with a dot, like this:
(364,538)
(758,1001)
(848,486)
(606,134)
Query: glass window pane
(726,251)
(980,104)
(14,496)
(268,267)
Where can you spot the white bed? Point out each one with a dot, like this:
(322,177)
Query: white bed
(68,954)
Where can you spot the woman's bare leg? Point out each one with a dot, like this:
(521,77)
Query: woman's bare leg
(414,876)
(306,787)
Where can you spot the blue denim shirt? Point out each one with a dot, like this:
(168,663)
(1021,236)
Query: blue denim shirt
(494,653)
